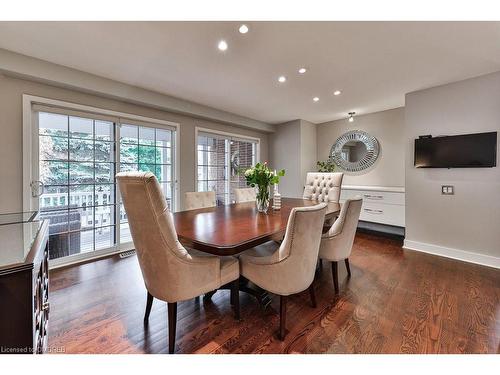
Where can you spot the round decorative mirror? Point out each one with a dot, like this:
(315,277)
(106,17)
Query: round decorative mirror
(355,151)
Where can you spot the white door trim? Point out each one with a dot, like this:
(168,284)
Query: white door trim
(30,161)
(228,135)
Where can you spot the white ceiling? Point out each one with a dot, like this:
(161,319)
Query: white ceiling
(373,63)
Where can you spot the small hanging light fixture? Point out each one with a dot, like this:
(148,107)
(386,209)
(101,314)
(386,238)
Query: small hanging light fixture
(351,116)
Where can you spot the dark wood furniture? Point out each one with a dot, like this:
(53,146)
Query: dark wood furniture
(24,287)
(231,229)
(335,273)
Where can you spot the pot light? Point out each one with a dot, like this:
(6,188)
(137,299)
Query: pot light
(243,29)
(281,79)
(316,99)
(302,70)
(351,116)
(337,92)
(222,46)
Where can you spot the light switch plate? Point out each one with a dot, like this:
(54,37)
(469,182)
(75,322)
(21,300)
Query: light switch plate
(447,190)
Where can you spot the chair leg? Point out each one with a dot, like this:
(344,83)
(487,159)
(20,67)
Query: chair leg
(282,317)
(235,298)
(335,275)
(149,304)
(172,325)
(312,294)
(346,260)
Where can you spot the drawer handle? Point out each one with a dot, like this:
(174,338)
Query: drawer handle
(369,210)
(370,196)
(46,307)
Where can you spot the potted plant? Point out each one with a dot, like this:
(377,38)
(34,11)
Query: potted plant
(326,166)
(261,178)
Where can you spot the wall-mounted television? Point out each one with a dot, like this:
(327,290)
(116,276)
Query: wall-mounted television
(458,151)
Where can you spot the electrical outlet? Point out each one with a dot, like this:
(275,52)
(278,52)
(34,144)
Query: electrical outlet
(447,190)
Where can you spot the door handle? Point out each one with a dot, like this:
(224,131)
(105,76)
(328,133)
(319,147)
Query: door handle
(37,188)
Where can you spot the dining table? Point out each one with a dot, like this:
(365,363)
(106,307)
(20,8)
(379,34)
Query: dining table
(231,229)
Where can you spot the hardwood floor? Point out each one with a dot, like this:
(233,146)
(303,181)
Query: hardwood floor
(396,301)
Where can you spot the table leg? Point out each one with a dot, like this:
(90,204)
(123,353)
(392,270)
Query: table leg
(262,296)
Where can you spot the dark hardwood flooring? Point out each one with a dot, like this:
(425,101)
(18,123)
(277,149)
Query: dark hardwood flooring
(396,301)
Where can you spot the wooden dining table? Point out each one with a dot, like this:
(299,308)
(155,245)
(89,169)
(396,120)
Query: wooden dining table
(234,228)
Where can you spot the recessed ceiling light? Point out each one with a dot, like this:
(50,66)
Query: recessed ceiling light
(243,29)
(316,99)
(222,45)
(337,92)
(302,70)
(281,79)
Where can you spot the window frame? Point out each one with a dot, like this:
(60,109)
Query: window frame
(31,155)
(229,136)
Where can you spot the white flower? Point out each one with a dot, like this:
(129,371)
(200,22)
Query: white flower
(248,172)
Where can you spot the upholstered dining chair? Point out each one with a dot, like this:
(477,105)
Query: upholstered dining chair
(336,244)
(170,273)
(199,199)
(323,187)
(290,268)
(244,195)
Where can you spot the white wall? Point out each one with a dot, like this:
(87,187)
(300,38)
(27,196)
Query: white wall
(469,221)
(11,91)
(284,153)
(388,128)
(308,150)
(293,147)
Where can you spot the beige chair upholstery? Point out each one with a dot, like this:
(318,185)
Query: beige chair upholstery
(244,195)
(323,187)
(289,268)
(336,244)
(201,199)
(170,272)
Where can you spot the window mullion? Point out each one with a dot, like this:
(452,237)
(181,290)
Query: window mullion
(117,158)
(94,188)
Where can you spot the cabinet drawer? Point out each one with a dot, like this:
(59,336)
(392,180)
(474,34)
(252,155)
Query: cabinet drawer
(386,197)
(389,214)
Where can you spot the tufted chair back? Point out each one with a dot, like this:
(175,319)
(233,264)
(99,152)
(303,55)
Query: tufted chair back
(244,195)
(323,187)
(201,199)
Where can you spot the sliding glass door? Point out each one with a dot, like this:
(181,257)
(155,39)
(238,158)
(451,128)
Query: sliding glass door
(78,157)
(150,150)
(219,159)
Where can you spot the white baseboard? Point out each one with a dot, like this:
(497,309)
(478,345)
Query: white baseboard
(466,256)
(86,257)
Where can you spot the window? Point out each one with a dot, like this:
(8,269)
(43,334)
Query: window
(219,160)
(150,150)
(78,158)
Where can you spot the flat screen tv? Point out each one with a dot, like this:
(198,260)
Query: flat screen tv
(458,151)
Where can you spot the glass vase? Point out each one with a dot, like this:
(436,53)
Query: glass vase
(262,198)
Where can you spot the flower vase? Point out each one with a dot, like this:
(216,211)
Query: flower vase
(262,198)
